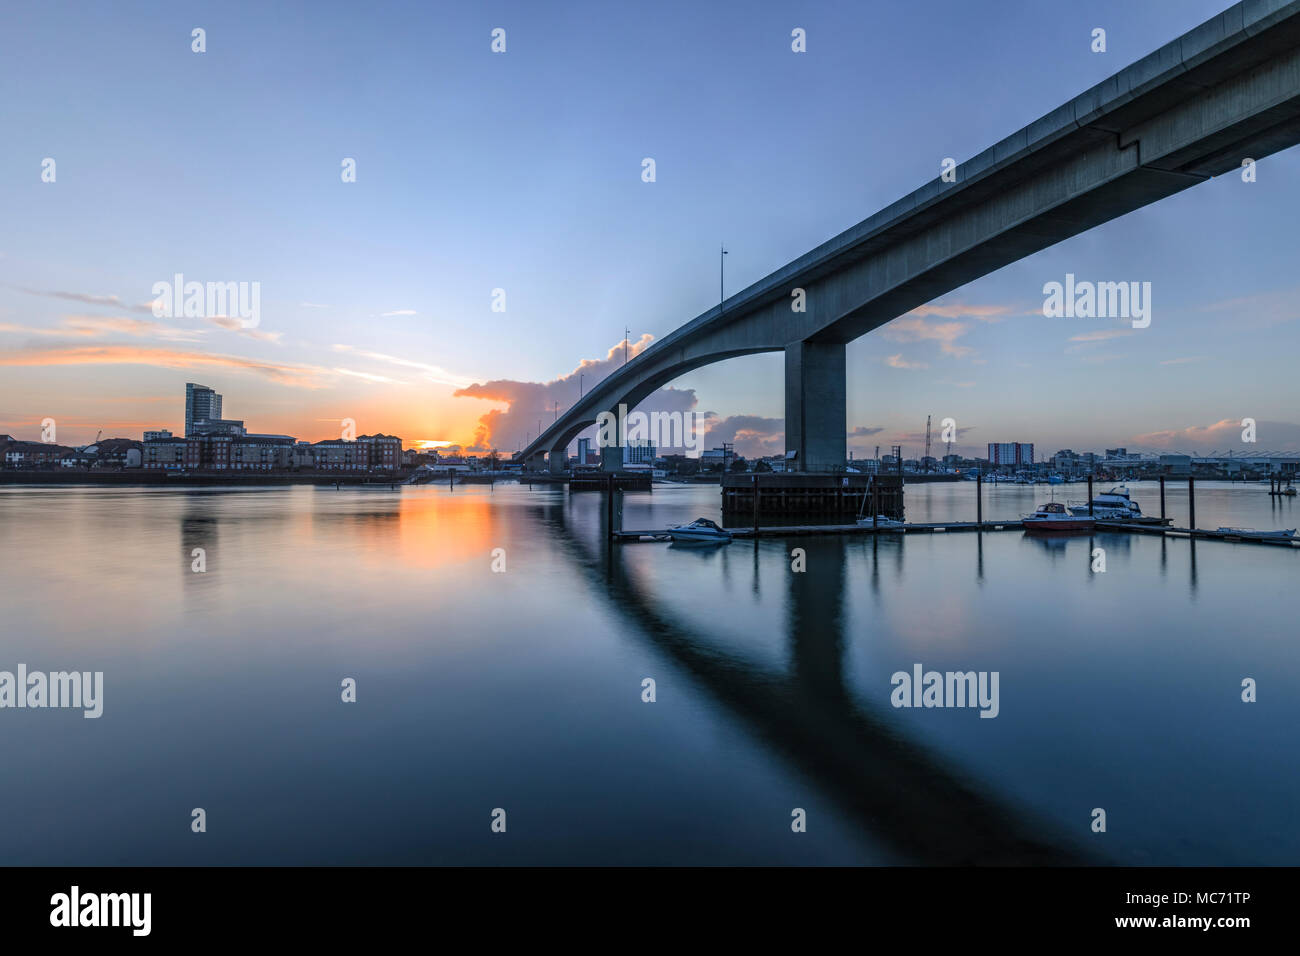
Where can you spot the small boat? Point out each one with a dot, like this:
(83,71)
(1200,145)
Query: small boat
(1054,516)
(701,530)
(1252,533)
(880,522)
(1113,505)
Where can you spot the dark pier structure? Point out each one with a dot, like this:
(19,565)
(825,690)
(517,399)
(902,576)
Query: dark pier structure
(799,493)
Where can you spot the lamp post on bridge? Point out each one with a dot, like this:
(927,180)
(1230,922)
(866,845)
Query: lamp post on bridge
(722,273)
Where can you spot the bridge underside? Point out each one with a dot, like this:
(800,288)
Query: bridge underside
(1200,106)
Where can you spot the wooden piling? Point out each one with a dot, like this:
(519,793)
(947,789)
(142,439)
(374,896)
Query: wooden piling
(1089,496)
(1162,499)
(609,504)
(979,497)
(1191,503)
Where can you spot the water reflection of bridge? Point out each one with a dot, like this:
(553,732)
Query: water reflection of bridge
(902,794)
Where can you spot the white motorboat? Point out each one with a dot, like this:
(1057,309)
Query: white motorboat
(1113,505)
(1053,516)
(1252,533)
(701,530)
(881,523)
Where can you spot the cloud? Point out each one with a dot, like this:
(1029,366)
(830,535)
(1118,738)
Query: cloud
(298,376)
(385,315)
(897,361)
(1183,360)
(1224,435)
(432,373)
(89,326)
(753,435)
(369,377)
(1263,309)
(957,310)
(862,431)
(1100,335)
(232,324)
(311,305)
(109,300)
(911,328)
(528,403)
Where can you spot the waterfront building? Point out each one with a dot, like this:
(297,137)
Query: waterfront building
(231,427)
(167,453)
(382,451)
(335,454)
(1011,454)
(208,452)
(201,402)
(260,452)
(639,452)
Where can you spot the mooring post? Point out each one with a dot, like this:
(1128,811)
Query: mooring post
(755,506)
(1089,495)
(609,503)
(1162,499)
(451,474)
(979,498)
(1191,503)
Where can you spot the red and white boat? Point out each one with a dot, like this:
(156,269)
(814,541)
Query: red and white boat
(1054,516)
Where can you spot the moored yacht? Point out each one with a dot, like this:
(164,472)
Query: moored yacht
(1054,516)
(1113,505)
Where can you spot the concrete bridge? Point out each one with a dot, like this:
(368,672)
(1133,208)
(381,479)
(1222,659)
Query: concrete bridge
(1195,108)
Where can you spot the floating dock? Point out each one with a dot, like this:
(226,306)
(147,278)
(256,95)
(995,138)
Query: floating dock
(1152,527)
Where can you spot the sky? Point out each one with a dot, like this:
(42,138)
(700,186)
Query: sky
(521,171)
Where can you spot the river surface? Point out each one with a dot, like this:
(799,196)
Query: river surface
(522,689)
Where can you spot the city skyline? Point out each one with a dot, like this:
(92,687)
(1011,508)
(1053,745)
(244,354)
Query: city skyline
(524,174)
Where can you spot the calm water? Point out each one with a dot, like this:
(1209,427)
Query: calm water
(522,690)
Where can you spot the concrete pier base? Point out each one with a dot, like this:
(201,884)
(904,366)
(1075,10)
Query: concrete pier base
(816,416)
(795,493)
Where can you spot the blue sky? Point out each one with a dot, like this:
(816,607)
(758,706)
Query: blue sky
(521,171)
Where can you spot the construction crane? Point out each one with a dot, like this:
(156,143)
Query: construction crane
(927,443)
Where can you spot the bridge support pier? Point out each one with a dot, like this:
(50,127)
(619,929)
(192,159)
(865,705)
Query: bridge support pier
(611,455)
(535,462)
(816,397)
(557,460)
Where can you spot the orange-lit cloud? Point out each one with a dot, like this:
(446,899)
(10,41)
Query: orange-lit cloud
(530,405)
(897,361)
(298,376)
(911,328)
(956,310)
(1223,435)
